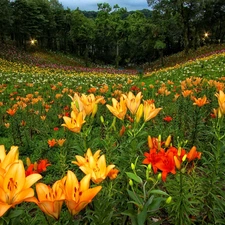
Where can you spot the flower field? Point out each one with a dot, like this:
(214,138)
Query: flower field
(106,146)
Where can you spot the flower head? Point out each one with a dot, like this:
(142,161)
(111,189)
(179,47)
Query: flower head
(95,165)
(150,111)
(15,187)
(118,109)
(78,194)
(75,122)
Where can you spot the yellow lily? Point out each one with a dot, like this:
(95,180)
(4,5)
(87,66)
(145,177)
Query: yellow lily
(85,160)
(118,109)
(133,101)
(221,101)
(150,111)
(90,103)
(15,187)
(75,122)
(94,166)
(76,103)
(78,194)
(50,200)
(7,159)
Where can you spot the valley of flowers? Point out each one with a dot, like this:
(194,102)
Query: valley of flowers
(108,147)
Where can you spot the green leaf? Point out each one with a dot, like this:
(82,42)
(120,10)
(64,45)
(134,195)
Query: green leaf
(141,217)
(136,198)
(15,213)
(158,192)
(134,177)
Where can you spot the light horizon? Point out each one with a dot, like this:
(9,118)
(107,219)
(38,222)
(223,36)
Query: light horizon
(91,5)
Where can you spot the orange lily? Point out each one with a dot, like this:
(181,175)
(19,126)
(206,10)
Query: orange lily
(78,194)
(133,101)
(15,187)
(94,166)
(11,112)
(50,200)
(221,101)
(118,109)
(150,111)
(6,160)
(76,121)
(200,101)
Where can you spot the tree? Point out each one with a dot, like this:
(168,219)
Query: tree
(5,19)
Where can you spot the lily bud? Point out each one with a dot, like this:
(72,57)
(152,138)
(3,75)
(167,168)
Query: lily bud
(168,140)
(179,151)
(131,183)
(95,109)
(177,162)
(168,200)
(159,176)
(150,143)
(184,157)
(139,113)
(159,141)
(28,162)
(132,166)
(102,119)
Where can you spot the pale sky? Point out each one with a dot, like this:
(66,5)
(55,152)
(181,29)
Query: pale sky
(91,5)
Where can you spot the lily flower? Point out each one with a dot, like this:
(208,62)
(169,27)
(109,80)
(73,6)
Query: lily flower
(7,159)
(15,187)
(76,103)
(90,103)
(94,166)
(133,101)
(50,200)
(150,111)
(118,109)
(200,101)
(78,194)
(75,122)
(221,101)
(82,161)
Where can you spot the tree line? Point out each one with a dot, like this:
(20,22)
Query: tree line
(112,35)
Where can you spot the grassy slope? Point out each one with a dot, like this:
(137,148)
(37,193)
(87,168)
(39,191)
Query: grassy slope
(181,57)
(34,56)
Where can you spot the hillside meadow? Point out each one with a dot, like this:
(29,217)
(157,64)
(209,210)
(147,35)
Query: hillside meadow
(105,146)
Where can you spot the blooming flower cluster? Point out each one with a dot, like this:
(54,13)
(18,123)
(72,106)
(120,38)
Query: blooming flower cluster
(82,106)
(133,103)
(167,158)
(95,165)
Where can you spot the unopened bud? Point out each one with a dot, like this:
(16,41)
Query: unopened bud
(168,200)
(28,162)
(159,176)
(95,109)
(184,157)
(132,166)
(139,113)
(179,151)
(150,143)
(102,119)
(131,183)
(149,168)
(168,140)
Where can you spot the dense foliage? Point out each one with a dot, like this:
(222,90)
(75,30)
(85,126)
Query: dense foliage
(112,35)
(160,135)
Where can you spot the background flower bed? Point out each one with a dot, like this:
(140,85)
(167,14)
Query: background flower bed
(40,97)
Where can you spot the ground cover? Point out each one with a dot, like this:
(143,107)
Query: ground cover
(161,137)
